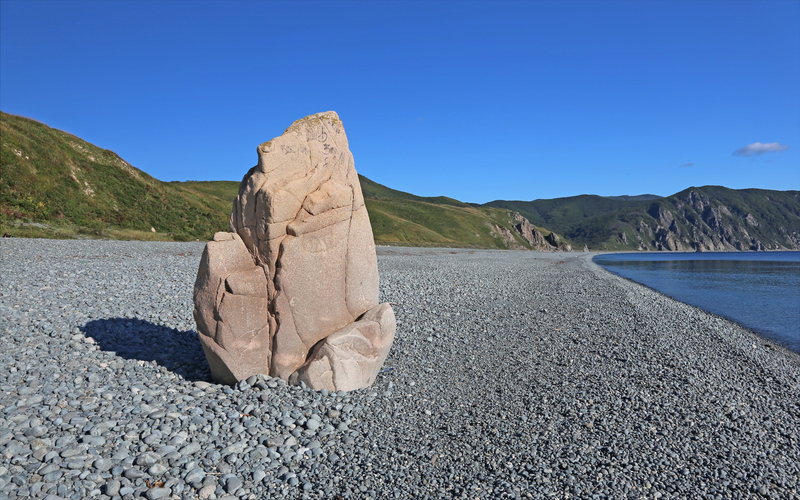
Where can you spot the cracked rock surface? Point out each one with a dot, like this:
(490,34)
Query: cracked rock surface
(292,291)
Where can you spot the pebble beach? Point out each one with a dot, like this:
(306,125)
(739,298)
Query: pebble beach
(513,374)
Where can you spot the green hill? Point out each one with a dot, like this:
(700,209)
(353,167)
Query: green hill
(562,214)
(403,218)
(698,218)
(54,184)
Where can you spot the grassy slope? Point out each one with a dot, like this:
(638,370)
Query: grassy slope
(406,219)
(53,184)
(53,178)
(563,214)
(224,190)
(417,223)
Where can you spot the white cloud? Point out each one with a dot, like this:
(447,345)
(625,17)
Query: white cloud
(759,148)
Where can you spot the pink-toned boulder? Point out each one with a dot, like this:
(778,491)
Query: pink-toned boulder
(350,358)
(293,290)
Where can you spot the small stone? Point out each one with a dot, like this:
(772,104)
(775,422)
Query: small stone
(233,484)
(190,449)
(93,440)
(102,464)
(37,431)
(111,488)
(154,493)
(157,469)
(206,491)
(70,452)
(133,474)
(195,475)
(147,459)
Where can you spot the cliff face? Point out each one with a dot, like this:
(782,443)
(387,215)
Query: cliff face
(716,219)
(709,218)
(536,238)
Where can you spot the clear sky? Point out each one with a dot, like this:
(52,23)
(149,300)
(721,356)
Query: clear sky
(474,100)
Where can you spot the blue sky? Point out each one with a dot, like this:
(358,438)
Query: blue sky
(474,100)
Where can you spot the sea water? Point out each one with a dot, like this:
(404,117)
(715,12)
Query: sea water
(760,290)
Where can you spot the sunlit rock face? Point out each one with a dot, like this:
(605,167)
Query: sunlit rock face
(292,291)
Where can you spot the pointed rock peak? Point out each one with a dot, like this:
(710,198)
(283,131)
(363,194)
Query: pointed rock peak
(320,134)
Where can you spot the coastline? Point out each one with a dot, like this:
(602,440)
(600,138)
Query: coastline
(513,373)
(761,336)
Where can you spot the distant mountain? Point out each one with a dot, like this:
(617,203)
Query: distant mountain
(698,218)
(638,197)
(54,184)
(562,214)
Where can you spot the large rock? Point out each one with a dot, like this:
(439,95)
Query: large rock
(351,357)
(293,290)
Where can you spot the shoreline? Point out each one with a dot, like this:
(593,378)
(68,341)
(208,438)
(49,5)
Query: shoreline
(514,374)
(761,336)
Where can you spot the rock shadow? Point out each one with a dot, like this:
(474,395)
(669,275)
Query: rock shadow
(177,351)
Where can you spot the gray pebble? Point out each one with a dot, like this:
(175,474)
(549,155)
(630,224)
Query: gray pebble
(154,493)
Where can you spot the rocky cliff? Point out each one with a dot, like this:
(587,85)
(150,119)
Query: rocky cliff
(537,238)
(709,218)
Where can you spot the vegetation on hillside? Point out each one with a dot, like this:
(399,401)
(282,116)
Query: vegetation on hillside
(406,219)
(403,218)
(54,184)
(563,214)
(698,218)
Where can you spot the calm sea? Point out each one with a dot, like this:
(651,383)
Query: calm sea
(760,290)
